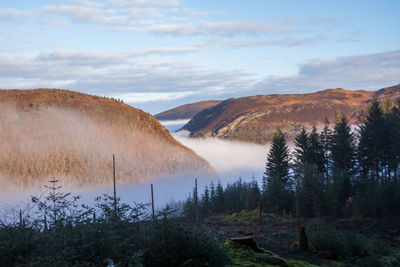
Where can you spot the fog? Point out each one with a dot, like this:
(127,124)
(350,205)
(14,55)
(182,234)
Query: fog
(230,159)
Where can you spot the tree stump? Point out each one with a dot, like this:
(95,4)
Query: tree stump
(303,241)
(247,241)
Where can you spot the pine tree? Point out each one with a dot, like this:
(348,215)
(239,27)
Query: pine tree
(316,151)
(373,145)
(219,198)
(326,140)
(309,168)
(213,197)
(276,181)
(205,201)
(343,152)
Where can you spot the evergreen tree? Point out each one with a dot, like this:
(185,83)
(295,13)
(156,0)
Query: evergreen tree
(309,167)
(343,152)
(374,143)
(276,181)
(213,196)
(219,198)
(254,195)
(316,151)
(205,201)
(326,140)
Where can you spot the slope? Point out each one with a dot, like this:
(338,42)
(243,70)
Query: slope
(255,118)
(186,111)
(72,136)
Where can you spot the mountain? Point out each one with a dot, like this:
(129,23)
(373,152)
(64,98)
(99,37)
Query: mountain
(186,111)
(255,118)
(72,136)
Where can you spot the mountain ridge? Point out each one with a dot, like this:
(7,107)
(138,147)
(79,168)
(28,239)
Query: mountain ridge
(186,111)
(255,118)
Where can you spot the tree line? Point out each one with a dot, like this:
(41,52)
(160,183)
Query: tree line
(339,171)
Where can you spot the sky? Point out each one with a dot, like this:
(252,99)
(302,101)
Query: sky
(158,54)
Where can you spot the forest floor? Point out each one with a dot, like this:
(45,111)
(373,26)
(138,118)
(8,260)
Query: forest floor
(344,242)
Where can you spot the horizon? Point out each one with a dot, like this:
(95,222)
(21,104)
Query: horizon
(156,55)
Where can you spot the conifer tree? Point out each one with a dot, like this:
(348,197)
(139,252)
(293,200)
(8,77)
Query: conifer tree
(219,198)
(276,180)
(213,196)
(326,140)
(343,152)
(373,145)
(205,201)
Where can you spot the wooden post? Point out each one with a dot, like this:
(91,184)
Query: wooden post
(260,226)
(152,202)
(115,188)
(297,209)
(20,218)
(45,222)
(197,201)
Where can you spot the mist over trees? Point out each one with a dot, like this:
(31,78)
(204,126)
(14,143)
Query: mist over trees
(339,171)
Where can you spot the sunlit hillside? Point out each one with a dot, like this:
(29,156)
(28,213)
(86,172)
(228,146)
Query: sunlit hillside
(48,132)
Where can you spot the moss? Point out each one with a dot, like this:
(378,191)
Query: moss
(242,217)
(245,256)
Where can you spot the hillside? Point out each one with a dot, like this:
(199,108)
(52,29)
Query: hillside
(72,136)
(255,118)
(186,111)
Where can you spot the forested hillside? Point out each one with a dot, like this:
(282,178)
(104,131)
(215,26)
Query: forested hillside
(337,172)
(255,118)
(48,132)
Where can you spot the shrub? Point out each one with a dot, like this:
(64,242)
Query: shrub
(125,237)
(334,244)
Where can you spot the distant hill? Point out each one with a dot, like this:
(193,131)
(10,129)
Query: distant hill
(255,118)
(72,136)
(186,111)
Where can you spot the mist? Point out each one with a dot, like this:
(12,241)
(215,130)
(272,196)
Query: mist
(230,159)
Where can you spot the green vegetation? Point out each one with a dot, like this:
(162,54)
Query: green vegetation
(247,256)
(64,234)
(339,172)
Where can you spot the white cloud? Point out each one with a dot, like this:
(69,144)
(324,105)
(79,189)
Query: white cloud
(370,71)
(12,14)
(283,42)
(145,3)
(152,96)
(175,29)
(118,73)
(87,14)
(233,28)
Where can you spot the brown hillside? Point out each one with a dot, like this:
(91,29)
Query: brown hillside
(255,118)
(70,135)
(186,111)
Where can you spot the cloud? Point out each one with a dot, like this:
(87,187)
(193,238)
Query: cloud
(233,28)
(145,3)
(12,14)
(87,14)
(284,42)
(152,96)
(101,59)
(369,71)
(119,74)
(175,29)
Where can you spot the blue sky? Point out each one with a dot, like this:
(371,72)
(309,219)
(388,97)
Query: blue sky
(157,54)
